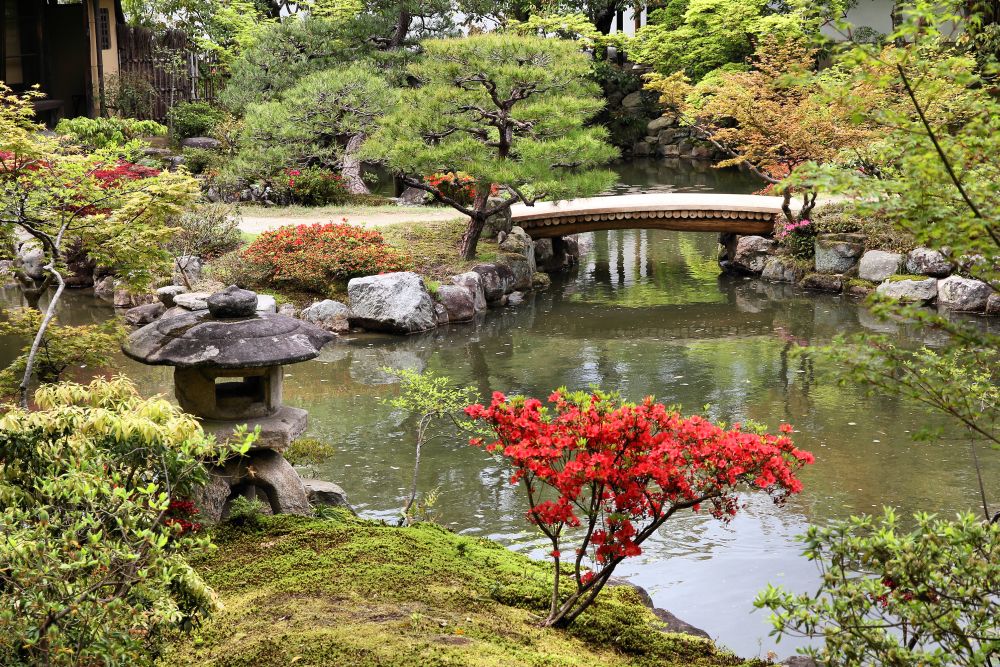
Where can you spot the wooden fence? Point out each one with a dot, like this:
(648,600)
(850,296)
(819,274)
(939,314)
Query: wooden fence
(173,69)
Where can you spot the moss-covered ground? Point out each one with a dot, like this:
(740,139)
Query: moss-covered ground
(345,592)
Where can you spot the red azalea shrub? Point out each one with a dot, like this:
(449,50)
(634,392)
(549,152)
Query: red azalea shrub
(311,257)
(181,514)
(620,470)
(799,237)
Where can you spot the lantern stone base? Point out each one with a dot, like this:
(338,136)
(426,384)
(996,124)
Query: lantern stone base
(277,431)
(262,475)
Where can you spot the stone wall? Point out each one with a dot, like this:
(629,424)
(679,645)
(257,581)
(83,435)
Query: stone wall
(842,264)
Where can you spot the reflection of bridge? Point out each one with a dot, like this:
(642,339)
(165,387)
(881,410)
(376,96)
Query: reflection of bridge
(692,212)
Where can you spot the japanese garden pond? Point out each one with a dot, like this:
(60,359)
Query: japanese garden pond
(645,313)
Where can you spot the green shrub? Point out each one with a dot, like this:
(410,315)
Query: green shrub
(233,268)
(880,233)
(246,513)
(209,230)
(199,160)
(308,452)
(312,186)
(193,119)
(130,95)
(95,525)
(94,133)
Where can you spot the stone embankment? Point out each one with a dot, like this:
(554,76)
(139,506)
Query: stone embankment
(397,303)
(841,264)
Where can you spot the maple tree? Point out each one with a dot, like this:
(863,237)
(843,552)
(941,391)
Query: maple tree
(619,471)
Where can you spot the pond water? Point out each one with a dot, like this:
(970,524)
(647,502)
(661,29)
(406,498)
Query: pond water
(645,313)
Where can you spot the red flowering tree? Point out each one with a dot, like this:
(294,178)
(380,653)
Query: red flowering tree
(618,471)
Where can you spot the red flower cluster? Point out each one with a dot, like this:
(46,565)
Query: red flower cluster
(457,185)
(180,515)
(623,469)
(310,257)
(123,172)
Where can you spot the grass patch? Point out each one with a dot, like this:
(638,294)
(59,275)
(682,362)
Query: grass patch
(433,245)
(353,593)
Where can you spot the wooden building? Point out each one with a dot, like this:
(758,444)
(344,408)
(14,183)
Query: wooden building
(56,46)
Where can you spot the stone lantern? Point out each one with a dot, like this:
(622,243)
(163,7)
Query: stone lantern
(228,372)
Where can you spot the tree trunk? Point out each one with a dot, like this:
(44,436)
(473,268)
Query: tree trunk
(471,236)
(402,29)
(476,223)
(351,166)
(50,313)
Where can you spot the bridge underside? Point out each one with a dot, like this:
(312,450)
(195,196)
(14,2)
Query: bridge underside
(735,222)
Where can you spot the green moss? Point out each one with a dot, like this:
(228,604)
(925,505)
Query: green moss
(348,592)
(905,276)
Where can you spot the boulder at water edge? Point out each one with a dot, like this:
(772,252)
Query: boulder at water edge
(328,314)
(910,291)
(497,281)
(391,302)
(838,253)
(927,262)
(145,314)
(521,267)
(752,253)
(963,294)
(877,265)
(782,270)
(473,282)
(458,302)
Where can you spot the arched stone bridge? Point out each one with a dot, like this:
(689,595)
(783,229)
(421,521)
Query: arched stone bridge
(680,211)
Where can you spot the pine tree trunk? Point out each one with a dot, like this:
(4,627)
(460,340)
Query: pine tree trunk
(471,237)
(351,166)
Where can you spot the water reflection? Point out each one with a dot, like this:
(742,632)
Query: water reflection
(643,315)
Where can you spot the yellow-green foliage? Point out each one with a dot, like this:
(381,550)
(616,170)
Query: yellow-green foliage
(91,346)
(308,451)
(348,592)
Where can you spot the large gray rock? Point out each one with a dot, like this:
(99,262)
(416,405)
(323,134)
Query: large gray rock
(838,253)
(328,314)
(927,262)
(632,100)
(204,143)
(232,302)
(520,267)
(497,281)
(31,260)
(993,305)
(824,282)
(473,282)
(458,302)
(498,222)
(752,253)
(782,270)
(391,302)
(910,291)
(656,125)
(104,288)
(517,241)
(187,266)
(166,294)
(125,298)
(145,314)
(326,494)
(877,265)
(192,300)
(963,294)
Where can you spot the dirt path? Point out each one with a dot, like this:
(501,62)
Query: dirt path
(378,218)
